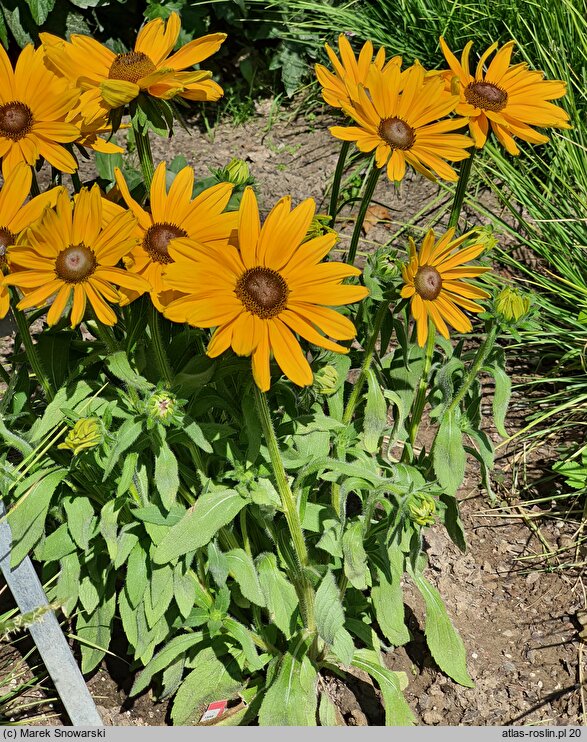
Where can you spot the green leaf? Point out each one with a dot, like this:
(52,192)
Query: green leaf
(452,521)
(448,453)
(330,619)
(375,419)
(56,546)
(291,698)
(328,714)
(166,474)
(105,164)
(244,638)
(94,633)
(355,557)
(280,594)
(501,397)
(242,568)
(184,590)
(214,678)
(118,365)
(199,525)
(126,435)
(137,580)
(397,711)
(27,518)
(388,599)
(70,398)
(53,349)
(81,520)
(159,594)
(67,588)
(3,31)
(175,647)
(444,642)
(196,435)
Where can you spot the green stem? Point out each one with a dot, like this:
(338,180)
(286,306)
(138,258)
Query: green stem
(143,145)
(457,204)
(76,182)
(106,335)
(161,359)
(333,209)
(35,190)
(370,184)
(482,353)
(303,586)
(30,349)
(420,401)
(367,360)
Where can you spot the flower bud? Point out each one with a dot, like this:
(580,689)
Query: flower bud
(319,226)
(511,305)
(163,407)
(237,172)
(422,509)
(326,380)
(86,433)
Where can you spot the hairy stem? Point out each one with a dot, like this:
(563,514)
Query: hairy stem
(420,401)
(303,586)
(31,351)
(333,209)
(370,184)
(482,352)
(457,204)
(161,358)
(143,145)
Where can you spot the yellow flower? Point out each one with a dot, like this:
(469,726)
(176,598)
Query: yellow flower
(261,293)
(174,215)
(34,104)
(511,99)
(399,120)
(349,72)
(16,217)
(432,280)
(110,80)
(71,253)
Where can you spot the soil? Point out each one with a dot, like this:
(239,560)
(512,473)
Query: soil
(516,621)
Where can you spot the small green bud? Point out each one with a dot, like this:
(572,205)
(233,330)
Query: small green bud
(511,305)
(237,172)
(86,433)
(422,509)
(326,380)
(319,227)
(163,407)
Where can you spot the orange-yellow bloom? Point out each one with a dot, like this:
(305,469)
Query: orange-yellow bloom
(108,80)
(433,282)
(512,99)
(398,117)
(34,104)
(262,293)
(16,216)
(350,71)
(174,215)
(71,254)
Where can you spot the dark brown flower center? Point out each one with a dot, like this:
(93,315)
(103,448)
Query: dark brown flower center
(7,238)
(397,133)
(16,120)
(75,264)
(157,238)
(486,95)
(131,67)
(428,282)
(263,292)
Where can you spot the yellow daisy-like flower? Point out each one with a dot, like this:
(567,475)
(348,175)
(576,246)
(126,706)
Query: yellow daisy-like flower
(399,120)
(174,215)
(34,104)
(349,71)
(433,282)
(511,99)
(110,80)
(72,252)
(16,216)
(261,293)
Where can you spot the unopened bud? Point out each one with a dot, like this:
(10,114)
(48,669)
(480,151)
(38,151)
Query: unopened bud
(326,380)
(512,304)
(86,433)
(422,509)
(162,407)
(237,172)
(319,226)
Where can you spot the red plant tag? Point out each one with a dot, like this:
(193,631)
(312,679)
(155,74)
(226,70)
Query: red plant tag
(214,710)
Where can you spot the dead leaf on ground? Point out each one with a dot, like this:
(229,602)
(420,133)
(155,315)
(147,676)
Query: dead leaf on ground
(374,215)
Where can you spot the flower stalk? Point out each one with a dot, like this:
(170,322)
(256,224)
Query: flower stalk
(161,359)
(333,209)
(303,586)
(420,400)
(143,145)
(30,350)
(370,183)
(461,189)
(482,352)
